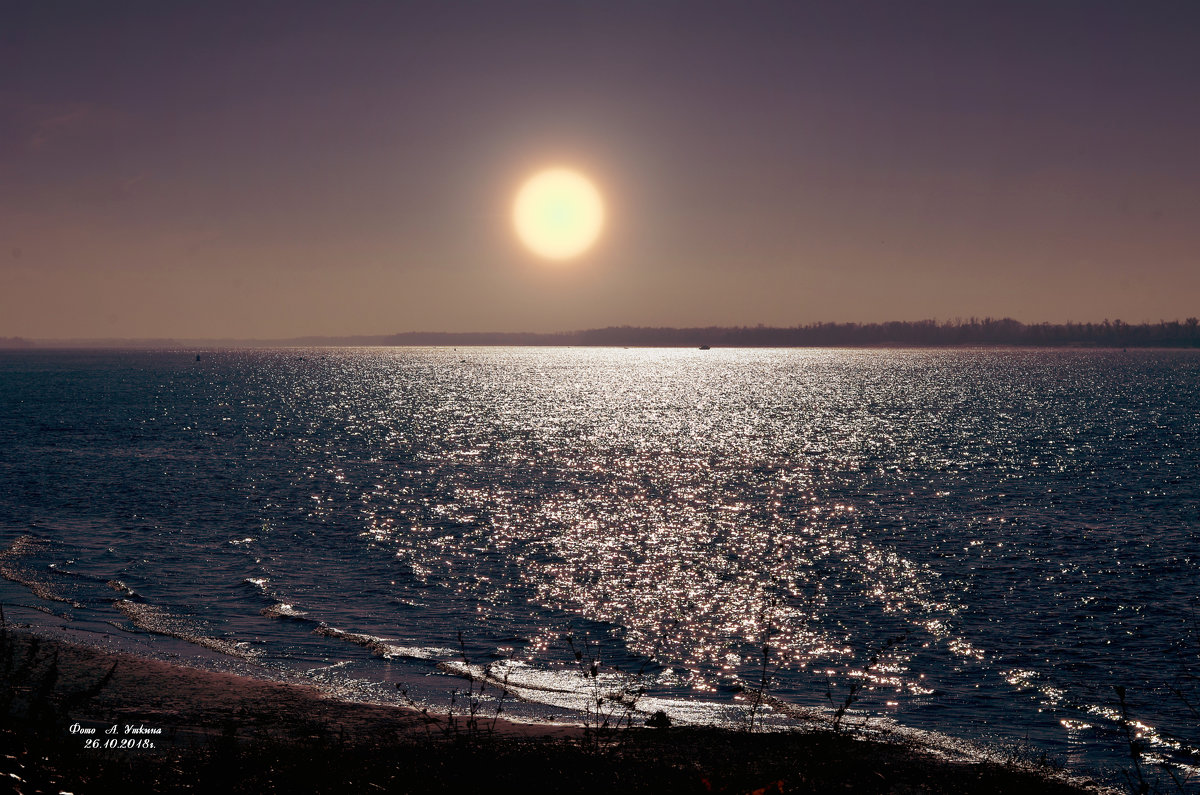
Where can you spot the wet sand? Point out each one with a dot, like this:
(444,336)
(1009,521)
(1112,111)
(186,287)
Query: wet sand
(190,730)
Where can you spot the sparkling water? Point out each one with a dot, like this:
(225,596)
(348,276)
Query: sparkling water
(981,543)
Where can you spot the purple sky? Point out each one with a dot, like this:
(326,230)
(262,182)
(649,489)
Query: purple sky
(276,169)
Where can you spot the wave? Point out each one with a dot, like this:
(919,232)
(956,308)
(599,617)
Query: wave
(284,611)
(120,587)
(159,621)
(13,569)
(613,697)
(381,647)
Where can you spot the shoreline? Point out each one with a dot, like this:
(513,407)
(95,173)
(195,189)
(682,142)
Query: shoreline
(170,725)
(189,699)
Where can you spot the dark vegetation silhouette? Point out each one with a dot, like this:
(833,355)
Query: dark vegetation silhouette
(919,333)
(1149,771)
(252,752)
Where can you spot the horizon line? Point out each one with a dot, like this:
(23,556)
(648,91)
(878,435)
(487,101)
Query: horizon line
(926,332)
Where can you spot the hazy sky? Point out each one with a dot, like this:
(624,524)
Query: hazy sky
(273,169)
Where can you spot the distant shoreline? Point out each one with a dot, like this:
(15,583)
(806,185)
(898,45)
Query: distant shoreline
(987,332)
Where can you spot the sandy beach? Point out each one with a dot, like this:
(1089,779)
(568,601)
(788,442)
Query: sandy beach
(158,727)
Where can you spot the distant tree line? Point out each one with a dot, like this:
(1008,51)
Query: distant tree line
(921,333)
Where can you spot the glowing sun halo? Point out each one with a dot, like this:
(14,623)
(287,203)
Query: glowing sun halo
(558,214)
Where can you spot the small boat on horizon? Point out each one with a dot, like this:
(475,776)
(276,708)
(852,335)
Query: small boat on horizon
(704,348)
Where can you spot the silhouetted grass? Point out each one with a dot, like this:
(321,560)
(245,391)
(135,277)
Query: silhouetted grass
(266,748)
(680,760)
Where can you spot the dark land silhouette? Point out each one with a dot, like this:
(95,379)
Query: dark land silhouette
(924,333)
(921,333)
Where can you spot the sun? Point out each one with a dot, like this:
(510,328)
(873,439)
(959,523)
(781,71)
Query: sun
(558,214)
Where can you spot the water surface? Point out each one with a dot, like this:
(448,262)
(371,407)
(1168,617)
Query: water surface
(985,542)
